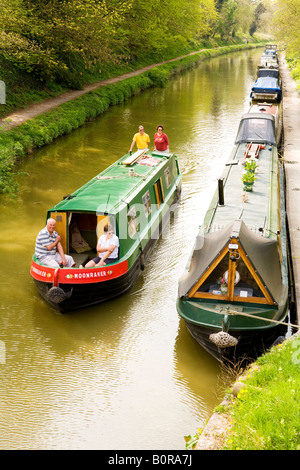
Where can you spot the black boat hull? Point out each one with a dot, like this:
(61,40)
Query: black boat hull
(251,344)
(85,295)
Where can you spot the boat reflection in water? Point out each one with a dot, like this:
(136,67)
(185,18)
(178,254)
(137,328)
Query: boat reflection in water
(234,293)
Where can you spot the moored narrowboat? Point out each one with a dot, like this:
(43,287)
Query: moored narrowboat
(135,195)
(234,293)
(269,58)
(266,88)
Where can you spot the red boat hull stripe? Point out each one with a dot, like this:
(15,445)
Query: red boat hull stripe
(76,275)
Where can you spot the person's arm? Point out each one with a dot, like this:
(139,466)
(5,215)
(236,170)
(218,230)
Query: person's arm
(61,252)
(102,249)
(132,144)
(107,252)
(55,243)
(167,140)
(99,247)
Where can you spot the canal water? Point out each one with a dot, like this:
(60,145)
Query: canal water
(125,374)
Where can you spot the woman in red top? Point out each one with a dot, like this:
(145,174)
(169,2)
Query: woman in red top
(161,141)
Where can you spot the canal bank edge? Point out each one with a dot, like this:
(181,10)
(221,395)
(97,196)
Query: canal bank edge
(40,124)
(16,118)
(217,429)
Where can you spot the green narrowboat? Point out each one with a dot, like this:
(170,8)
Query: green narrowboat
(234,293)
(136,195)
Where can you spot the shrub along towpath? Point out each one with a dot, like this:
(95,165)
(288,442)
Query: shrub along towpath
(40,124)
(16,118)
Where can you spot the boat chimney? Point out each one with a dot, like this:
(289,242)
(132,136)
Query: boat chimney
(221,191)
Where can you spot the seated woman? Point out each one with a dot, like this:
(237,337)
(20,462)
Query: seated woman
(107,247)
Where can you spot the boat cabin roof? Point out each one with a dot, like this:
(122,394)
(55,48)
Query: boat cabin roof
(264,108)
(256,212)
(270,83)
(270,51)
(111,187)
(269,59)
(257,127)
(268,72)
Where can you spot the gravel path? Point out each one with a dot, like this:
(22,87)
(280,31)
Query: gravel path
(22,115)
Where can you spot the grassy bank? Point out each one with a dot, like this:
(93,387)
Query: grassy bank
(266,412)
(262,409)
(294,66)
(42,130)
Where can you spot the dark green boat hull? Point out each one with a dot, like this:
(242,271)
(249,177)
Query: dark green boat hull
(254,337)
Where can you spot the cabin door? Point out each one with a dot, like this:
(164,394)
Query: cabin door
(159,194)
(102,220)
(61,227)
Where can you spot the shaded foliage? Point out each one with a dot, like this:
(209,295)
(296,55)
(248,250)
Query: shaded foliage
(65,41)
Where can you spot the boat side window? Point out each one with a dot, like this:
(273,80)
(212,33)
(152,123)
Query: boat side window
(147,203)
(133,226)
(159,194)
(167,177)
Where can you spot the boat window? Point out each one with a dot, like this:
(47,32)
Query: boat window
(244,283)
(159,192)
(147,203)
(167,177)
(132,221)
(231,278)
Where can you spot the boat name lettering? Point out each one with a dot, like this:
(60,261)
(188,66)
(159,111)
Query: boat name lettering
(91,275)
(40,272)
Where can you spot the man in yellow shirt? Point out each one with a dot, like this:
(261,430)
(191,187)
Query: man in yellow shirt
(141,139)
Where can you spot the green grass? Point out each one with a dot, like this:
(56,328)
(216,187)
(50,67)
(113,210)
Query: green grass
(265,415)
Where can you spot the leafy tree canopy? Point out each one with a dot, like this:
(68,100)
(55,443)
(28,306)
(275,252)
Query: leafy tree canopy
(57,40)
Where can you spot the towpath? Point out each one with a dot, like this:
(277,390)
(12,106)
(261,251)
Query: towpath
(22,115)
(291,126)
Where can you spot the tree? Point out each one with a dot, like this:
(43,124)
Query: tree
(235,16)
(287,23)
(260,9)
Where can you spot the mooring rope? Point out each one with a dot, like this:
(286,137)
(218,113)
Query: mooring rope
(256,317)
